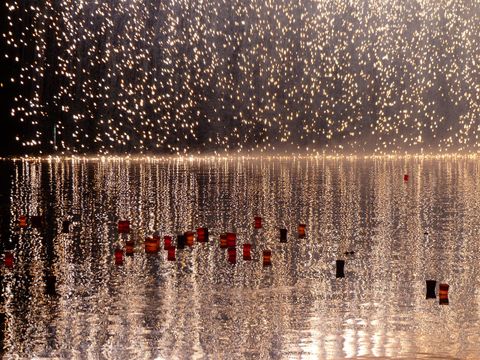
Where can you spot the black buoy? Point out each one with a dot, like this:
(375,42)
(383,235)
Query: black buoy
(2,327)
(180,241)
(65,226)
(431,285)
(340,268)
(36,221)
(283,235)
(50,281)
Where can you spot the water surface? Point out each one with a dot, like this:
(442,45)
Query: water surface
(203,307)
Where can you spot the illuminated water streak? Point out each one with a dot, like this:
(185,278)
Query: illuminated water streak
(183,76)
(200,306)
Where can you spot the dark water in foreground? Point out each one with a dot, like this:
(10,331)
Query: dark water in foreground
(203,307)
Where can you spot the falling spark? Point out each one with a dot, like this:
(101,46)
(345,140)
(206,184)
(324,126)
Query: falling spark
(183,76)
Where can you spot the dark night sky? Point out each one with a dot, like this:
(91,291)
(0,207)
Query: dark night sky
(7,131)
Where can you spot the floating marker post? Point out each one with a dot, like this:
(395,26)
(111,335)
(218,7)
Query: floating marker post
(340,268)
(2,329)
(258,222)
(443,294)
(129,247)
(118,256)
(405,177)
(301,230)
(200,235)
(167,242)
(232,255)
(283,235)
(65,226)
(152,246)
(223,241)
(189,238)
(431,285)
(267,257)
(180,242)
(231,240)
(8,260)
(124,226)
(36,222)
(171,253)
(247,252)
(22,221)
(50,281)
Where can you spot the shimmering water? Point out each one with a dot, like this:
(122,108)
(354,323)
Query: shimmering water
(201,306)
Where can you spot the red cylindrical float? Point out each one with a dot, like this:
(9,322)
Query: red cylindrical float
(171,253)
(405,177)
(443,294)
(129,247)
(223,241)
(267,257)
(202,234)
(231,240)
(124,226)
(189,238)
(232,255)
(301,230)
(247,252)
(152,246)
(8,261)
(258,222)
(22,221)
(167,242)
(118,256)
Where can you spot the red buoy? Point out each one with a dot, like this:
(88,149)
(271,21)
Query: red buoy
(405,177)
(118,256)
(223,241)
(124,226)
(152,245)
(267,257)
(301,230)
(443,294)
(8,260)
(231,240)
(129,247)
(22,221)
(171,253)
(202,235)
(247,252)
(258,222)
(167,242)
(232,255)
(189,238)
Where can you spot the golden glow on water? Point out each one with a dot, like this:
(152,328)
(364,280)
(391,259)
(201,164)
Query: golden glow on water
(200,305)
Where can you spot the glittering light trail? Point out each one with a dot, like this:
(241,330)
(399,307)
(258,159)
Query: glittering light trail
(188,76)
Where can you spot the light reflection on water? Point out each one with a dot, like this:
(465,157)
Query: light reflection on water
(201,306)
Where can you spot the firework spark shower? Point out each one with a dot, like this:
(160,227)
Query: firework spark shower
(185,76)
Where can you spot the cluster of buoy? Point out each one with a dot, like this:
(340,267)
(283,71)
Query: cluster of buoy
(226,241)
